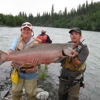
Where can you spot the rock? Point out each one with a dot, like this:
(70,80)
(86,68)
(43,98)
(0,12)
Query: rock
(9,97)
(39,90)
(23,91)
(51,94)
(4,93)
(43,95)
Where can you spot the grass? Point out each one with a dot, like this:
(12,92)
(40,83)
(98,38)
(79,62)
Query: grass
(42,71)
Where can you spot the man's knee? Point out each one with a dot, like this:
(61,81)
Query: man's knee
(62,96)
(16,95)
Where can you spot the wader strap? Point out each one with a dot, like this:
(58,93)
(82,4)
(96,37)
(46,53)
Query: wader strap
(70,63)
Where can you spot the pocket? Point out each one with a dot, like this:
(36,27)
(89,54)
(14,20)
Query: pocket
(14,76)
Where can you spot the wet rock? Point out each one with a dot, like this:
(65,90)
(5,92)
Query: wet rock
(4,93)
(51,94)
(39,90)
(43,95)
(49,99)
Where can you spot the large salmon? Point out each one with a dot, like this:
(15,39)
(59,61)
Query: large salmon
(42,52)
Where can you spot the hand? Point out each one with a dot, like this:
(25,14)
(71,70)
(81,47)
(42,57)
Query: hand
(35,62)
(74,53)
(46,62)
(9,51)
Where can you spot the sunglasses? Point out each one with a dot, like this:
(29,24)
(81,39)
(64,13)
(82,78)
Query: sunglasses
(26,25)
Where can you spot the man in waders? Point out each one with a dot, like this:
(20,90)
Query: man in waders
(71,76)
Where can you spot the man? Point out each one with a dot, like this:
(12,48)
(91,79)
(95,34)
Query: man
(26,77)
(73,68)
(44,37)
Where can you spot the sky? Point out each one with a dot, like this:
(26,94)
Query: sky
(38,6)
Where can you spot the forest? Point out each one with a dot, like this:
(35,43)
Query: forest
(86,16)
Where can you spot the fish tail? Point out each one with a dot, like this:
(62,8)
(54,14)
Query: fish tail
(2,56)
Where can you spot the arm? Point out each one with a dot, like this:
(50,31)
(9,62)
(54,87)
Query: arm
(75,60)
(37,39)
(13,46)
(48,39)
(9,51)
(79,59)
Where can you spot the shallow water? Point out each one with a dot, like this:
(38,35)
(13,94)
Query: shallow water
(60,35)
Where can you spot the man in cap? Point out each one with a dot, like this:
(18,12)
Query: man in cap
(44,37)
(71,78)
(26,76)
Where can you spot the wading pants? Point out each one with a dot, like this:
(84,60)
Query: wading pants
(30,89)
(68,93)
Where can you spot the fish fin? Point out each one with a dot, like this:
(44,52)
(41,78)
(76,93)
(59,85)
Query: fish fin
(2,56)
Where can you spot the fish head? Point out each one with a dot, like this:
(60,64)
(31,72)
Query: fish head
(68,51)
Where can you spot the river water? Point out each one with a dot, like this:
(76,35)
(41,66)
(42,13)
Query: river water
(60,35)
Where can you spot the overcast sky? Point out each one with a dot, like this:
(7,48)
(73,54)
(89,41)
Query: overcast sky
(38,6)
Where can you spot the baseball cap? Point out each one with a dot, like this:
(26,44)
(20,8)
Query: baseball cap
(43,30)
(27,24)
(76,29)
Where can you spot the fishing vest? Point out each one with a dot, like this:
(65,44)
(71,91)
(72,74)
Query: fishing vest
(70,66)
(43,38)
(67,62)
(20,46)
(70,75)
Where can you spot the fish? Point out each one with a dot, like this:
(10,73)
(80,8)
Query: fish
(42,52)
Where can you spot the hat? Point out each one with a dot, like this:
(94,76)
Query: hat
(76,29)
(27,24)
(43,30)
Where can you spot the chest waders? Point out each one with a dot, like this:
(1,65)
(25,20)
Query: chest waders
(71,77)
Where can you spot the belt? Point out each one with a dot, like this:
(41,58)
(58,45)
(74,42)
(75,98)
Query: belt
(25,69)
(68,82)
(28,69)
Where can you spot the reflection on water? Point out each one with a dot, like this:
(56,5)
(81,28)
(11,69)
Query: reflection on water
(59,35)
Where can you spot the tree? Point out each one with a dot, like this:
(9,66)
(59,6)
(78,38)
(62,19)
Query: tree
(10,21)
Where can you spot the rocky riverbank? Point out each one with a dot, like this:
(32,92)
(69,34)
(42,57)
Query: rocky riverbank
(49,84)
(44,85)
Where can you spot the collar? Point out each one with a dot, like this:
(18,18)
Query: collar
(31,40)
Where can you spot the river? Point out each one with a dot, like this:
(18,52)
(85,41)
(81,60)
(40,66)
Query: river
(61,35)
